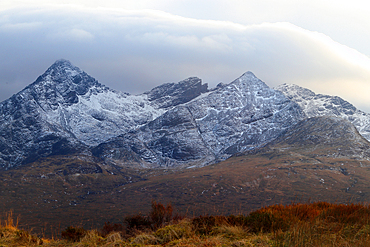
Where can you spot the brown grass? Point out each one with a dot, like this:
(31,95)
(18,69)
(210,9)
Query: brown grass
(311,224)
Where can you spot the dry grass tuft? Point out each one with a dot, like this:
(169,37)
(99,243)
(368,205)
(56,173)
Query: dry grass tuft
(231,232)
(10,235)
(145,239)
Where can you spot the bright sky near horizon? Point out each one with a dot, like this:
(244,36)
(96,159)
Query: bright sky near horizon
(133,46)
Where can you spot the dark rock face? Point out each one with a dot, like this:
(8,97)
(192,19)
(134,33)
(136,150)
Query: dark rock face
(320,130)
(171,94)
(25,136)
(170,140)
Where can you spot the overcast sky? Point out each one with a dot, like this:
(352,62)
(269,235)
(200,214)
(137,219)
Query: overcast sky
(133,46)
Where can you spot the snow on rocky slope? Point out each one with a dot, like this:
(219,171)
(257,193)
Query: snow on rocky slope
(314,105)
(243,114)
(76,102)
(67,105)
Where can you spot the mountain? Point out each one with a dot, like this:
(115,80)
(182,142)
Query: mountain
(66,111)
(244,114)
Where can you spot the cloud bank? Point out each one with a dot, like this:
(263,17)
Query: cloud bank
(135,50)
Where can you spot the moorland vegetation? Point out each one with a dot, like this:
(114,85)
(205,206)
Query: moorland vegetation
(297,224)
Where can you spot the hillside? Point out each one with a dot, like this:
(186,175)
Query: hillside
(79,190)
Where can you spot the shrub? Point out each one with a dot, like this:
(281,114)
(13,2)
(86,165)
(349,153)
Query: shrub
(73,233)
(110,228)
(203,224)
(349,214)
(173,232)
(239,220)
(265,222)
(160,214)
(137,222)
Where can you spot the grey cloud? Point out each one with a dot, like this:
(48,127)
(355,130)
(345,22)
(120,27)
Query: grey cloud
(133,51)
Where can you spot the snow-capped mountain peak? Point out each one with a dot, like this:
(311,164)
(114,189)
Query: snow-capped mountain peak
(171,94)
(65,80)
(248,74)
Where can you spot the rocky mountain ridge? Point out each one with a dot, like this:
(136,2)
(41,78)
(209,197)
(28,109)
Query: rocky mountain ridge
(314,105)
(243,114)
(175,124)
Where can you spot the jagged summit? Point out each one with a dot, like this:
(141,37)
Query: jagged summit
(249,74)
(63,67)
(292,90)
(172,94)
(65,78)
(248,81)
(63,63)
(328,102)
